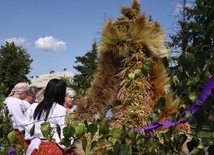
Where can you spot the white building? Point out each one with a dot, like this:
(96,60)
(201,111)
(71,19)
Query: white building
(42,80)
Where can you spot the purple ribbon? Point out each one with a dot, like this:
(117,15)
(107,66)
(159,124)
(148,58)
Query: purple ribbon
(12,152)
(206,91)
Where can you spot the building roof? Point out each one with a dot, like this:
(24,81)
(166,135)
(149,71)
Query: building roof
(42,80)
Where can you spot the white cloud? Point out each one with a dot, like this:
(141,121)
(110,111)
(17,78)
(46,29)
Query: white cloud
(179,7)
(17,41)
(50,44)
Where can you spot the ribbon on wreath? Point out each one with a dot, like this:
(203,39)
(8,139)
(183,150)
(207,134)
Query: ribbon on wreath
(204,93)
(12,152)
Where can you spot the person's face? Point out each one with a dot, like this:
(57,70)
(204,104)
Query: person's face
(23,95)
(69,100)
(31,99)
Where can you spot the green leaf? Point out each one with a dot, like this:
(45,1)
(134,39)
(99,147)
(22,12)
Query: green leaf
(67,119)
(115,132)
(48,137)
(46,130)
(149,62)
(93,144)
(86,123)
(145,70)
(200,58)
(101,140)
(210,149)
(32,130)
(58,129)
(132,134)
(167,136)
(205,140)
(84,143)
(125,148)
(212,135)
(114,140)
(128,83)
(200,146)
(149,145)
(186,60)
(68,131)
(192,96)
(92,128)
(102,125)
(116,148)
(165,62)
(140,142)
(175,80)
(188,113)
(161,104)
(155,115)
(66,142)
(191,81)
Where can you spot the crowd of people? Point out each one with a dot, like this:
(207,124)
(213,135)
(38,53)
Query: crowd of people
(29,108)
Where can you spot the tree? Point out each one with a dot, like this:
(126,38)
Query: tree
(14,66)
(86,69)
(195,40)
(180,39)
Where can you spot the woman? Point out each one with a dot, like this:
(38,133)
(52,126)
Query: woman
(50,109)
(69,100)
(30,98)
(16,108)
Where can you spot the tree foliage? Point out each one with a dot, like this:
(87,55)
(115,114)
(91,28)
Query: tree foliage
(194,65)
(86,66)
(195,40)
(14,66)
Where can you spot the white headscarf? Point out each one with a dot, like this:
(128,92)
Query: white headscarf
(20,87)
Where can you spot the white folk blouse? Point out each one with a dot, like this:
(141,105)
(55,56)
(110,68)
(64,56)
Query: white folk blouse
(16,110)
(56,116)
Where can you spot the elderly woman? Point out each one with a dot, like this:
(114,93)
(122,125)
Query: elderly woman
(17,108)
(69,99)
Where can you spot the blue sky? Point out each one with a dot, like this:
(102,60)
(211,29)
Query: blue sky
(54,32)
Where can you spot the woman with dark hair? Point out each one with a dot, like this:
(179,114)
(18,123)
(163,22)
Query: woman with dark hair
(49,110)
